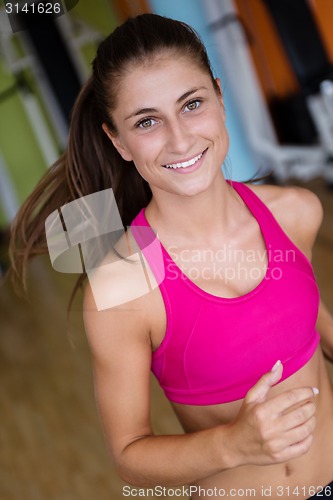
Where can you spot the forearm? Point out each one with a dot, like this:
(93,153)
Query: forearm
(175,460)
(266,431)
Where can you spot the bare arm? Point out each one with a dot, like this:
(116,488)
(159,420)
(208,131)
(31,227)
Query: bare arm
(121,349)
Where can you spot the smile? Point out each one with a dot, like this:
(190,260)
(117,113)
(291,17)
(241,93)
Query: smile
(187,163)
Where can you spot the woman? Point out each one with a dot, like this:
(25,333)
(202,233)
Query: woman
(150,123)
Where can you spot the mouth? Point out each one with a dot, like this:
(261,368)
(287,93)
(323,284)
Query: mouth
(186,164)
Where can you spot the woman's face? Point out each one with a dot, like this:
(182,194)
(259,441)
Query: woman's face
(171,123)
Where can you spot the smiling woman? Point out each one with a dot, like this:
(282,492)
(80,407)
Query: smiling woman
(169,123)
(233,340)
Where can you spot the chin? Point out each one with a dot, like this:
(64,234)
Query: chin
(195,190)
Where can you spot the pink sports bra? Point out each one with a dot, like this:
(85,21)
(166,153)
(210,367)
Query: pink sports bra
(215,349)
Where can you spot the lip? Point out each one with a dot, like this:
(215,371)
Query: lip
(189,169)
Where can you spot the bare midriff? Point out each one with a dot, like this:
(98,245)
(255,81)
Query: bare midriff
(299,478)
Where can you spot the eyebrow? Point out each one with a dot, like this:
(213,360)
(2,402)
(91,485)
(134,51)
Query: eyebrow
(145,111)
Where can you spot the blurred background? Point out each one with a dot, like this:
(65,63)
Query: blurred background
(275,60)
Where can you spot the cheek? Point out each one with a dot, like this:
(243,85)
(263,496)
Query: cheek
(213,126)
(213,118)
(147,148)
(220,126)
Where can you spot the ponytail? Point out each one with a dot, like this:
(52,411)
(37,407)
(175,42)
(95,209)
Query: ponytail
(90,164)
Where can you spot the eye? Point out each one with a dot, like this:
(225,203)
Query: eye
(192,105)
(145,123)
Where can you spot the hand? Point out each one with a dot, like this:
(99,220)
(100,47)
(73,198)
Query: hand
(268,431)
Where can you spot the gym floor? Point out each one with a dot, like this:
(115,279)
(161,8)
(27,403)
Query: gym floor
(51,442)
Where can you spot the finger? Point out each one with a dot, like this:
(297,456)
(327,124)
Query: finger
(301,433)
(295,450)
(294,398)
(297,417)
(300,448)
(259,391)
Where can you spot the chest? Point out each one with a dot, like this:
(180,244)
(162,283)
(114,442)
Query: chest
(210,339)
(230,268)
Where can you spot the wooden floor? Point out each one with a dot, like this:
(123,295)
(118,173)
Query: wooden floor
(51,442)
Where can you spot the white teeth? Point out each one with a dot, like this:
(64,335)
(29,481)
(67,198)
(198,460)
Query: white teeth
(185,163)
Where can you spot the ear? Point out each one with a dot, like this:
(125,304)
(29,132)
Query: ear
(116,141)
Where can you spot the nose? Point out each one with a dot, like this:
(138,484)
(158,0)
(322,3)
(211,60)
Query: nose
(179,137)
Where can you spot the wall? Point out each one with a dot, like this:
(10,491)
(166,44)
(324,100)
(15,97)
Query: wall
(18,144)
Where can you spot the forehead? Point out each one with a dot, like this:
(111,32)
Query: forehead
(159,80)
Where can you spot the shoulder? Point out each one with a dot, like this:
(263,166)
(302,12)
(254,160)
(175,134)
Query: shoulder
(116,299)
(297,209)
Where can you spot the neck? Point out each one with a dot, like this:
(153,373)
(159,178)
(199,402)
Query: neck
(197,217)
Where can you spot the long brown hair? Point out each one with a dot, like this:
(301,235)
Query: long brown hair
(91,163)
